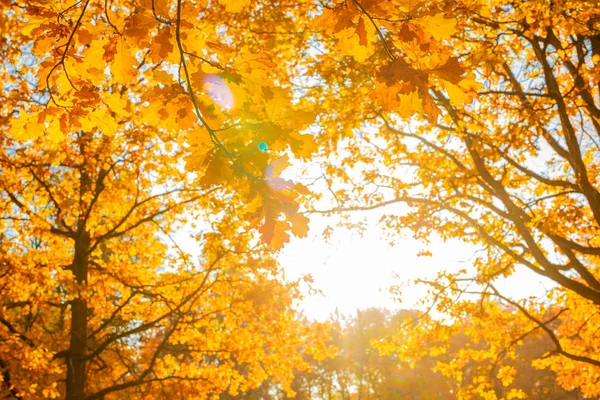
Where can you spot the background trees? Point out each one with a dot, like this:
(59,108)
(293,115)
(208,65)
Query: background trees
(369,365)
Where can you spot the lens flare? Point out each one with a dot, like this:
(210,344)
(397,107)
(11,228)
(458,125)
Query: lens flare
(400,382)
(272,173)
(218,91)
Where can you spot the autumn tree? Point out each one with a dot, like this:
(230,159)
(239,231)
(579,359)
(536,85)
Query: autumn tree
(514,172)
(97,301)
(123,124)
(474,360)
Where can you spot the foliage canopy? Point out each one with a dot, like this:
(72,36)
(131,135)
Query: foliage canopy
(126,122)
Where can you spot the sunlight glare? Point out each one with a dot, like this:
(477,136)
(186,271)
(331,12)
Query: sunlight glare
(218,91)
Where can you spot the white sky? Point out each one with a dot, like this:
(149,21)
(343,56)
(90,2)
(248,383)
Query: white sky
(355,273)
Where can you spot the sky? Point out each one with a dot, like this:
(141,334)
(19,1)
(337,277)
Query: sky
(355,272)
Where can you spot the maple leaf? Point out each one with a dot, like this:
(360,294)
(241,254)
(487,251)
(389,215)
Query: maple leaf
(438,25)
(122,60)
(429,107)
(162,48)
(399,70)
(450,71)
(362,32)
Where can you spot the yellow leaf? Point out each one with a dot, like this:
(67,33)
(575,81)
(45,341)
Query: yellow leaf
(234,6)
(122,67)
(299,225)
(116,103)
(277,166)
(348,42)
(456,94)
(26,127)
(439,26)
(33,22)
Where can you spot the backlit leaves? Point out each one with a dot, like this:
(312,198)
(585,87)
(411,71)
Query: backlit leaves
(126,121)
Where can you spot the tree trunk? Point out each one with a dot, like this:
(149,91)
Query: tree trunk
(79,315)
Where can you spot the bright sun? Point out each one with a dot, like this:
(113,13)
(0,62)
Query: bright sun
(354,272)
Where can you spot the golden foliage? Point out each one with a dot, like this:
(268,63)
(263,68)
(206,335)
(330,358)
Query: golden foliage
(124,122)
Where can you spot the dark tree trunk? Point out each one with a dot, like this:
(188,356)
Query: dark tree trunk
(79,315)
